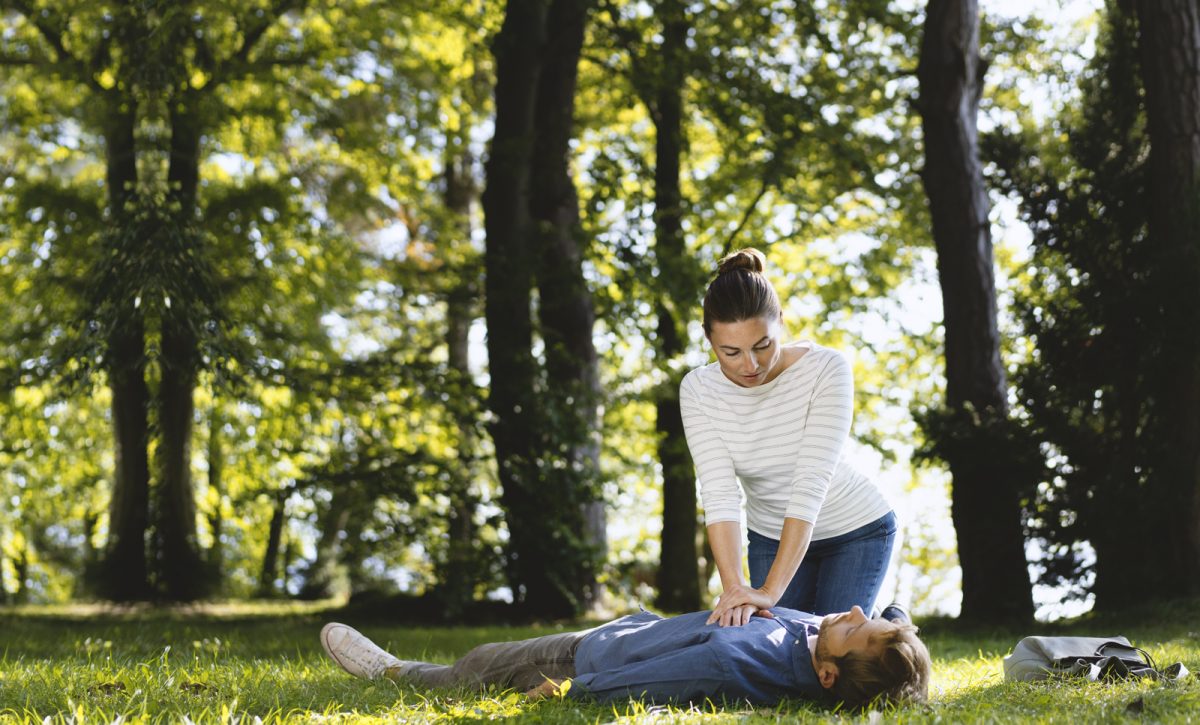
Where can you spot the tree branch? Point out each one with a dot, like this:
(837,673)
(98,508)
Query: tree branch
(639,74)
(16,61)
(726,248)
(238,63)
(65,62)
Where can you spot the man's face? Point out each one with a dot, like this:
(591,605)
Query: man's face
(747,351)
(849,632)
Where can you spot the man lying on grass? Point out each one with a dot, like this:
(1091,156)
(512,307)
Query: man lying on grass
(782,654)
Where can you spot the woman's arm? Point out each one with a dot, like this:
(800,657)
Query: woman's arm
(793,545)
(719,489)
(738,601)
(719,492)
(725,538)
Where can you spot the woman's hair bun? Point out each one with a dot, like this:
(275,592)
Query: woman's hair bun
(749,259)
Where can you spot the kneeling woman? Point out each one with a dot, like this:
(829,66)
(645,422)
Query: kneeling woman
(775,416)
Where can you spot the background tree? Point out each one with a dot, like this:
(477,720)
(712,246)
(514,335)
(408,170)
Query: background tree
(1099,311)
(530,211)
(1170,55)
(985,506)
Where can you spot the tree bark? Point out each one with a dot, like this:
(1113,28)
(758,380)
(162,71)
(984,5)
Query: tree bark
(124,573)
(565,309)
(1169,40)
(509,262)
(270,565)
(678,572)
(216,472)
(458,571)
(984,504)
(181,566)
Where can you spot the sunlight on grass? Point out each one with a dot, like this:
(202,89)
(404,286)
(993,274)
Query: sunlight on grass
(262,663)
(213,610)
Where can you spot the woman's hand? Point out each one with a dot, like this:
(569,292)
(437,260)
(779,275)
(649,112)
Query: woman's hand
(740,602)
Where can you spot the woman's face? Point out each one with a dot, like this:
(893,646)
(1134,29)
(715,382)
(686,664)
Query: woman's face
(748,351)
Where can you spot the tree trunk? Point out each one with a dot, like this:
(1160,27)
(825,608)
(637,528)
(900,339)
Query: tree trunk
(216,471)
(1169,40)
(458,571)
(181,567)
(270,565)
(565,309)
(508,262)
(20,564)
(984,504)
(323,580)
(678,570)
(124,573)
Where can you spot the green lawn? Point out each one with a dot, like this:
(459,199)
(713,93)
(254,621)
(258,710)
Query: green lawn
(249,662)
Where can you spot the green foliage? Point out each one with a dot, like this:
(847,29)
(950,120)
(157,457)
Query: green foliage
(967,437)
(1086,304)
(323,125)
(51,496)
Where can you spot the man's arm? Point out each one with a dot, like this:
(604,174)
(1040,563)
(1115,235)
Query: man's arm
(547,689)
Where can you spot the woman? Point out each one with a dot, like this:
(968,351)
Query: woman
(775,416)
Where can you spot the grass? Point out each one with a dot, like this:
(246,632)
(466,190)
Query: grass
(250,663)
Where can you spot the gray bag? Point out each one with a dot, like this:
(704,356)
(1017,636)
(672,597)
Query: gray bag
(1092,658)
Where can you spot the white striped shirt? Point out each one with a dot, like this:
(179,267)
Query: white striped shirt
(783,441)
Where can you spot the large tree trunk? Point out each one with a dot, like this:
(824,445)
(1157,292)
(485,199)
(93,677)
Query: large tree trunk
(458,571)
(1169,39)
(509,265)
(123,573)
(984,503)
(181,566)
(678,570)
(565,305)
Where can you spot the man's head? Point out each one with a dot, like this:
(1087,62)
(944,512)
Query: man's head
(861,660)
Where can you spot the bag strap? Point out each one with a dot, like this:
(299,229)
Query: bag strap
(1139,650)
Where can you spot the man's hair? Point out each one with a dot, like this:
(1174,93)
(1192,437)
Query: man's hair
(893,669)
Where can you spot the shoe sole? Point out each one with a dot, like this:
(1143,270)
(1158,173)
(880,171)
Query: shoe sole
(325,632)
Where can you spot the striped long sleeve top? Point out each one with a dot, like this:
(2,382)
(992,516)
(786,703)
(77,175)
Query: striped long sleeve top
(783,441)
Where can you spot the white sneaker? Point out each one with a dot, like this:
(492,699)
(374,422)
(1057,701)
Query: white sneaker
(354,652)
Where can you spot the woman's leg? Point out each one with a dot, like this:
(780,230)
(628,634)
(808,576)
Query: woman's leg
(853,566)
(801,592)
(760,553)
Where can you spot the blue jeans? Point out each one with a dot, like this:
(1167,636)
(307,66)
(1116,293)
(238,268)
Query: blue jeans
(836,573)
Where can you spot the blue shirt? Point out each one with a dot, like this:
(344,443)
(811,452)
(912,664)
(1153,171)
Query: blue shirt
(682,658)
